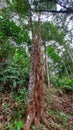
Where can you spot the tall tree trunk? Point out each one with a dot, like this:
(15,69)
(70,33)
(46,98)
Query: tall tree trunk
(36,83)
(32,79)
(47,69)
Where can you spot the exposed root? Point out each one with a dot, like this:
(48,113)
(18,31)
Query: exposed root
(29,121)
(30,117)
(36,120)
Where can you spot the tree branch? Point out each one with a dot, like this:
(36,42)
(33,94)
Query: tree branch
(55,11)
(67,9)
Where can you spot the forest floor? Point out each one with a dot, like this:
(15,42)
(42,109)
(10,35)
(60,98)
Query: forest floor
(58,111)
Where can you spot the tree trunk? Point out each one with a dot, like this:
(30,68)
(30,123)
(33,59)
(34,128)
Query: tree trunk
(47,69)
(36,83)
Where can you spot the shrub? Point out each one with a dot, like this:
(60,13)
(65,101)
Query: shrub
(63,83)
(66,84)
(13,77)
(17,125)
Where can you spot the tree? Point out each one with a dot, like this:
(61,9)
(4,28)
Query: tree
(47,73)
(36,106)
(36,83)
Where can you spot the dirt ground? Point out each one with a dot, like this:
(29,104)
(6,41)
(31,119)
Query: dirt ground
(58,110)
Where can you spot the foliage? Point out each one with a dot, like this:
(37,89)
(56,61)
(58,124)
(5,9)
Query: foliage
(22,7)
(15,75)
(14,61)
(10,30)
(63,83)
(53,54)
(22,95)
(54,81)
(66,84)
(17,125)
(52,32)
(6,51)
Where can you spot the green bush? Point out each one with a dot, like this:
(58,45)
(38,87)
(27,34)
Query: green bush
(63,83)
(66,84)
(14,71)
(17,125)
(13,77)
